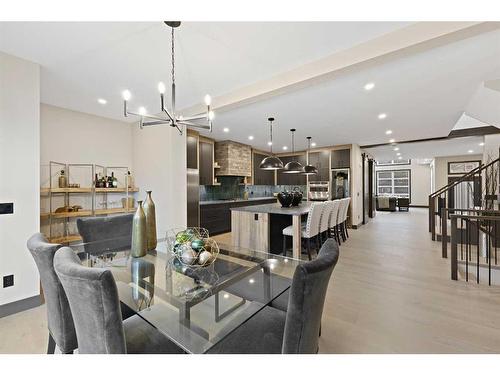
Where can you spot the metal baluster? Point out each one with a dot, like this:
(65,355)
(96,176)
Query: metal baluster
(466,254)
(489,252)
(478,249)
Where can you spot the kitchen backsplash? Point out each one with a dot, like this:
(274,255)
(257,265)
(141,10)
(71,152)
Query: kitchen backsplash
(235,191)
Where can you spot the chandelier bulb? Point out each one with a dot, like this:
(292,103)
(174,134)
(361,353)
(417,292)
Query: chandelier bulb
(142,111)
(161,88)
(126,95)
(208,100)
(211,115)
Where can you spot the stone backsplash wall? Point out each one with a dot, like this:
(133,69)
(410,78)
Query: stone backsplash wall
(234,159)
(232,191)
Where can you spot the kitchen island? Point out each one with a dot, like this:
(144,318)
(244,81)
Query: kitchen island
(260,227)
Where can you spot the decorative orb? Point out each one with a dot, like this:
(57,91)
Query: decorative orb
(182,237)
(188,256)
(204,257)
(197,244)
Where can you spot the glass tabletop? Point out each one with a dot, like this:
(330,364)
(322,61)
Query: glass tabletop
(193,307)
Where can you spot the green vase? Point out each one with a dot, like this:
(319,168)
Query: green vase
(139,233)
(150,212)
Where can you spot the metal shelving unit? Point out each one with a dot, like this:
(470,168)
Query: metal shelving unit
(66,196)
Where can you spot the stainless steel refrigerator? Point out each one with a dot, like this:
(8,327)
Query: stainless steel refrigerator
(193,198)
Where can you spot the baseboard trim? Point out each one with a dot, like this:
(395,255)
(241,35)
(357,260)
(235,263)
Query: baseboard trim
(418,206)
(21,305)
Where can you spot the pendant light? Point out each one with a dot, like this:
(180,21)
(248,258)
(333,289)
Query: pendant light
(293,166)
(271,163)
(309,169)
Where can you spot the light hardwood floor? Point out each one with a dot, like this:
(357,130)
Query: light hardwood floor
(390,293)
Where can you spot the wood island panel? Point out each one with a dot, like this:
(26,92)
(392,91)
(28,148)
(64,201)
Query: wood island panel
(250,230)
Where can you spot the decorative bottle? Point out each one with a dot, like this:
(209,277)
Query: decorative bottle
(114,180)
(63,181)
(150,212)
(130,180)
(139,234)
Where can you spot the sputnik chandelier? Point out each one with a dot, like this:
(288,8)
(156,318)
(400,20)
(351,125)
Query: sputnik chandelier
(170,117)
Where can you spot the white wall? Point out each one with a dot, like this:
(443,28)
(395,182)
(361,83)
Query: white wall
(441,167)
(19,173)
(74,137)
(356,185)
(420,181)
(160,165)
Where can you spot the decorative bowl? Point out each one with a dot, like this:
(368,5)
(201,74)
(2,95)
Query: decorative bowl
(192,246)
(285,198)
(296,197)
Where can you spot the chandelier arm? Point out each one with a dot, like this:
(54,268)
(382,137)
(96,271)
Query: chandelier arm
(150,117)
(194,125)
(151,123)
(170,116)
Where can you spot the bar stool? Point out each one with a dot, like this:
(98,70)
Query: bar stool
(343,222)
(325,220)
(333,223)
(309,230)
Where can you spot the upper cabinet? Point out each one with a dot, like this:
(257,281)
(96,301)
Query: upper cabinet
(292,178)
(341,158)
(260,176)
(206,163)
(321,160)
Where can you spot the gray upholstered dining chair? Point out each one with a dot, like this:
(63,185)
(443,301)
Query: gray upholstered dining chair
(105,234)
(60,322)
(93,299)
(296,330)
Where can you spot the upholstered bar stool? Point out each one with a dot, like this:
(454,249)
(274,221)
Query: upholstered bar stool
(308,231)
(333,228)
(325,220)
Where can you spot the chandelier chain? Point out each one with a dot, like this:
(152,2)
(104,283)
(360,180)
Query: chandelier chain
(173,57)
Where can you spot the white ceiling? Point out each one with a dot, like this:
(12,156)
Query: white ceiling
(423,94)
(429,149)
(85,61)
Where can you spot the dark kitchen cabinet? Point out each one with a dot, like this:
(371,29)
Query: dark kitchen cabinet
(260,176)
(341,158)
(206,163)
(292,178)
(320,160)
(192,151)
(216,217)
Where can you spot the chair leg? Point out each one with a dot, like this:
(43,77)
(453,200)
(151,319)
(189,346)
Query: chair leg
(309,248)
(346,232)
(284,246)
(342,231)
(51,347)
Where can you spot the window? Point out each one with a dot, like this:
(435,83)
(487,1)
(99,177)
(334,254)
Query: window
(394,183)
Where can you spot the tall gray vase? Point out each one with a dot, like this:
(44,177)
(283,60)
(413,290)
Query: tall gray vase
(150,212)
(139,233)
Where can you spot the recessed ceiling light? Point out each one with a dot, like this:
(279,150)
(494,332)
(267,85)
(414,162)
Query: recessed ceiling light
(251,281)
(102,101)
(269,143)
(313,144)
(226,130)
(396,148)
(481,144)
(226,296)
(250,137)
(398,154)
(285,148)
(392,140)
(382,116)
(369,86)
(388,132)
(400,158)
(470,151)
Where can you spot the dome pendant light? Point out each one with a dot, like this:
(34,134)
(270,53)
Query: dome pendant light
(293,166)
(271,163)
(310,169)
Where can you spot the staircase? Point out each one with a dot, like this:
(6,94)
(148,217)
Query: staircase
(465,217)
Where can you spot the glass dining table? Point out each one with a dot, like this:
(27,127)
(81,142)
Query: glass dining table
(194,307)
